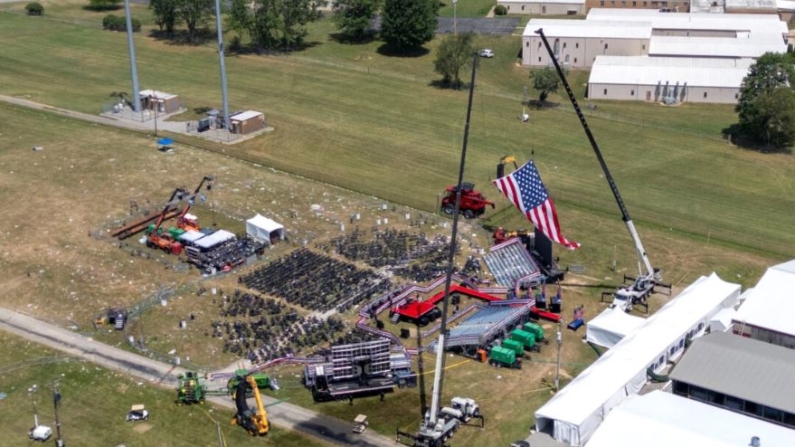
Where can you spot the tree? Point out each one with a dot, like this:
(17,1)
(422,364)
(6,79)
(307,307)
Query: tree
(273,24)
(103,5)
(34,9)
(407,24)
(195,14)
(545,81)
(453,54)
(765,107)
(353,17)
(165,13)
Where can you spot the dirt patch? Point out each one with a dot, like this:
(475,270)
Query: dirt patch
(142,427)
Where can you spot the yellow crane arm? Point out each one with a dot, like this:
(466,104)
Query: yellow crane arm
(261,418)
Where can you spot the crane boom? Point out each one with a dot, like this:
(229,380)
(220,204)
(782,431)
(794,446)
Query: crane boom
(642,257)
(438,378)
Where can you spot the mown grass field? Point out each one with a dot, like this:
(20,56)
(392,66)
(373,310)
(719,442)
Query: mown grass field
(351,116)
(95,402)
(348,115)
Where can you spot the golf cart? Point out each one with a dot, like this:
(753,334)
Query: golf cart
(360,424)
(137,413)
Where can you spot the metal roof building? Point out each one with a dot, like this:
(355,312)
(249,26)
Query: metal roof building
(672,79)
(740,374)
(722,47)
(660,419)
(766,313)
(590,28)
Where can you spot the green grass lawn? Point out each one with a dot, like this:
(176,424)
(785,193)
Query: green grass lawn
(466,8)
(95,402)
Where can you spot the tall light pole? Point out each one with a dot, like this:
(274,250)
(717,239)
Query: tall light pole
(223,65)
(557,366)
(455,18)
(56,401)
(31,392)
(133,65)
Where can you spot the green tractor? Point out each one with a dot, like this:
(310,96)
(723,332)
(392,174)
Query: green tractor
(263,382)
(190,390)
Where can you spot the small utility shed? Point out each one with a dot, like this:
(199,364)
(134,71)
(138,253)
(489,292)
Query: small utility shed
(750,6)
(264,229)
(544,7)
(768,311)
(670,79)
(161,101)
(247,122)
(611,326)
(741,375)
(660,419)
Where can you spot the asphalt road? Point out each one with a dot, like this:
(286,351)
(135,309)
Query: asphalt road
(285,415)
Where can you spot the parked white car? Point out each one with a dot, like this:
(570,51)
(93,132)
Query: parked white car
(486,52)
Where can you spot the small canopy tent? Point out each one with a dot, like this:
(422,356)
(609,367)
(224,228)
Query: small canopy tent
(610,326)
(264,229)
(214,239)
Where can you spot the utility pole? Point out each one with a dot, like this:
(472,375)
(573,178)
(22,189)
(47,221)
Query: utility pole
(557,366)
(56,400)
(31,392)
(157,106)
(455,18)
(224,96)
(133,66)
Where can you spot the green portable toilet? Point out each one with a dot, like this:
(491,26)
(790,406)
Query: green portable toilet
(176,232)
(527,339)
(514,345)
(535,329)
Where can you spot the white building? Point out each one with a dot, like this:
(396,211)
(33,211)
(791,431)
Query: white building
(667,79)
(574,413)
(660,419)
(767,312)
(544,7)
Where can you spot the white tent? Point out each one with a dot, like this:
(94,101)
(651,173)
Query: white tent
(611,326)
(722,321)
(574,413)
(214,239)
(191,236)
(660,419)
(264,229)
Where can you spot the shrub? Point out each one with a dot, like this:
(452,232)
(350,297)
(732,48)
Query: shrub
(113,22)
(34,9)
(103,5)
(500,10)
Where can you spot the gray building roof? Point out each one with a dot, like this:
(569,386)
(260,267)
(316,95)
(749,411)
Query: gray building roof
(740,367)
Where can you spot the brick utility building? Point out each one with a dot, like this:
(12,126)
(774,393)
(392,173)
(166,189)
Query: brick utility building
(161,101)
(739,374)
(544,7)
(671,5)
(247,122)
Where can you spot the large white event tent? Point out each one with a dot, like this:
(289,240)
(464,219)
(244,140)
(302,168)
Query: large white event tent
(661,419)
(611,326)
(573,414)
(766,314)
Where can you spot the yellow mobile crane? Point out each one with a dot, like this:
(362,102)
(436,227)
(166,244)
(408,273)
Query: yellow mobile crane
(255,422)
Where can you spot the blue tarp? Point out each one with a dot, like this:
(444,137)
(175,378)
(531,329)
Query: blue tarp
(165,141)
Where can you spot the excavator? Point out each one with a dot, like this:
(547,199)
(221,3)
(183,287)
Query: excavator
(255,422)
(165,242)
(189,222)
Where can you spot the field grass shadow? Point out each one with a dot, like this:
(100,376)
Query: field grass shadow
(391,51)
(105,8)
(736,136)
(541,105)
(448,85)
(182,38)
(346,39)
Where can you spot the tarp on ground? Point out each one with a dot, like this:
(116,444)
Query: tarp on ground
(611,326)
(661,419)
(574,413)
(264,229)
(214,239)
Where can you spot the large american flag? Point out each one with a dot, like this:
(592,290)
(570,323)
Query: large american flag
(523,187)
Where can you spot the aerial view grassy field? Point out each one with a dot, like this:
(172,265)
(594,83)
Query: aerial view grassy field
(354,129)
